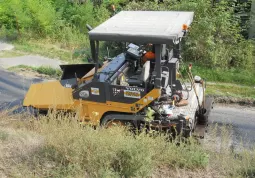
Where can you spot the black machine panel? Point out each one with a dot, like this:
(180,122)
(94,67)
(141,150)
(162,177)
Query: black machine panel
(68,83)
(112,67)
(125,94)
(169,72)
(93,91)
(75,70)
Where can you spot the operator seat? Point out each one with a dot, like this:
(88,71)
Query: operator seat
(140,80)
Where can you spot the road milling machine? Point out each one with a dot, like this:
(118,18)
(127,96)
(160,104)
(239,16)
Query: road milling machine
(142,87)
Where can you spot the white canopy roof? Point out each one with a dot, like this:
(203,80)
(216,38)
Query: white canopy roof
(158,27)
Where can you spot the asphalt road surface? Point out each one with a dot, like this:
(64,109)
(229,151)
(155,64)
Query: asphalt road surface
(241,119)
(13,87)
(29,60)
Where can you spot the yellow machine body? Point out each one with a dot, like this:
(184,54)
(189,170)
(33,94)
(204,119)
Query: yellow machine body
(48,95)
(52,95)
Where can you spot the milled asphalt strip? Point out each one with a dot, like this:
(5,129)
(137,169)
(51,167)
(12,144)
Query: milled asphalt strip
(12,86)
(30,60)
(16,91)
(242,120)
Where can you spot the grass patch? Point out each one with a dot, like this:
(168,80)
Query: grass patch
(44,49)
(237,76)
(113,152)
(12,53)
(232,90)
(46,70)
(66,149)
(3,135)
(49,71)
(51,50)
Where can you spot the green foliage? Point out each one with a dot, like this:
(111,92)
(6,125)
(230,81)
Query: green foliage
(214,40)
(35,15)
(215,37)
(58,20)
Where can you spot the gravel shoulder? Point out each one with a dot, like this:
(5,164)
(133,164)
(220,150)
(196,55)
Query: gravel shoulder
(28,60)
(5,46)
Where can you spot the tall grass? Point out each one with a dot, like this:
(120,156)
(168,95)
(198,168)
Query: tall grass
(67,149)
(232,75)
(114,151)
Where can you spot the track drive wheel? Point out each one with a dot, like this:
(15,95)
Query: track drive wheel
(112,120)
(113,123)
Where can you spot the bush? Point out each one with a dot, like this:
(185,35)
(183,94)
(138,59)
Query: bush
(215,37)
(57,20)
(35,15)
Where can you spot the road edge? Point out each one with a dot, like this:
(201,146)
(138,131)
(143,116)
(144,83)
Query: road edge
(233,100)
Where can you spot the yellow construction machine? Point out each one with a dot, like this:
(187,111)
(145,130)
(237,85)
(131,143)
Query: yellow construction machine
(140,87)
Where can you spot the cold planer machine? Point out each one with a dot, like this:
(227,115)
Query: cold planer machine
(129,88)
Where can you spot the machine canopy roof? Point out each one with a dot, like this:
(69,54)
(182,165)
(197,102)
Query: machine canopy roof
(158,27)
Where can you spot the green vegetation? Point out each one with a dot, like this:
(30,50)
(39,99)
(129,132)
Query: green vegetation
(215,38)
(47,70)
(59,22)
(233,75)
(234,82)
(57,146)
(47,49)
(43,48)
(235,91)
(12,53)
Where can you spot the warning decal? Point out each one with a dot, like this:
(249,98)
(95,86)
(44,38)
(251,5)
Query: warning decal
(95,91)
(132,94)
